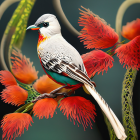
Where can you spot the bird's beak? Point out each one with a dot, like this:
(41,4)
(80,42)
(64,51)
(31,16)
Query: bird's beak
(33,27)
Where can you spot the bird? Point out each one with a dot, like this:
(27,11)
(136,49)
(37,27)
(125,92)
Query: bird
(64,65)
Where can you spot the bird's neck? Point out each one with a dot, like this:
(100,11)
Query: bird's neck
(41,38)
(45,41)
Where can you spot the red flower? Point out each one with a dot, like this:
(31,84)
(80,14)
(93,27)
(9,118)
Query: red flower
(79,109)
(13,125)
(45,108)
(96,33)
(7,79)
(22,68)
(131,29)
(97,61)
(129,53)
(14,95)
(45,85)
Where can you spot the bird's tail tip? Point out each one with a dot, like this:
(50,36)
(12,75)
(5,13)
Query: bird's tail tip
(116,125)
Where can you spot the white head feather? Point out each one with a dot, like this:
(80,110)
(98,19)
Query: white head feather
(52,29)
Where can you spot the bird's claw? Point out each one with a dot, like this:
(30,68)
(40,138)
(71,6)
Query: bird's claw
(65,94)
(52,94)
(42,96)
(49,95)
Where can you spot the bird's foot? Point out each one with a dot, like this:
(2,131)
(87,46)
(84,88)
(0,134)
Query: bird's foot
(63,93)
(52,94)
(42,96)
(49,95)
(56,90)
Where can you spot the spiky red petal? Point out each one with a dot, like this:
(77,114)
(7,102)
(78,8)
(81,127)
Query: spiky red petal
(97,61)
(14,95)
(13,125)
(45,108)
(79,109)
(22,68)
(6,78)
(96,33)
(131,29)
(129,53)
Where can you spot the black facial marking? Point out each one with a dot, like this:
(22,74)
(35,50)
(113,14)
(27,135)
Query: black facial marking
(46,24)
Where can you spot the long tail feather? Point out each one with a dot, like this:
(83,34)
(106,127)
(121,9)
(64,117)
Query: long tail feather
(117,126)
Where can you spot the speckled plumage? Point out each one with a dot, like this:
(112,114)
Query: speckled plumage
(57,47)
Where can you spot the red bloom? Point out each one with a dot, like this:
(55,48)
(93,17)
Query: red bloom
(131,29)
(96,33)
(6,78)
(129,53)
(14,95)
(13,125)
(22,68)
(97,61)
(45,85)
(45,108)
(79,109)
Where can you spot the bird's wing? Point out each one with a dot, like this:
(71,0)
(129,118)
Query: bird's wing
(66,69)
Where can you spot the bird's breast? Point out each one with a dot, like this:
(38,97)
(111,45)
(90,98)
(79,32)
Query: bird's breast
(41,38)
(56,47)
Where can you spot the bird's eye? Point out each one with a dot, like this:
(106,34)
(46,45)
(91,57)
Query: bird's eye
(46,24)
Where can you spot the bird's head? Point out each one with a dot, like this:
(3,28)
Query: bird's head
(47,25)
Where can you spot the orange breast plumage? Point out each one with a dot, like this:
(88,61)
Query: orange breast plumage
(41,38)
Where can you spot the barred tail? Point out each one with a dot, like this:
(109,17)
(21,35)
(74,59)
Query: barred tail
(117,126)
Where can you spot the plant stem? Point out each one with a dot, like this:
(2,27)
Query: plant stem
(110,129)
(127,105)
